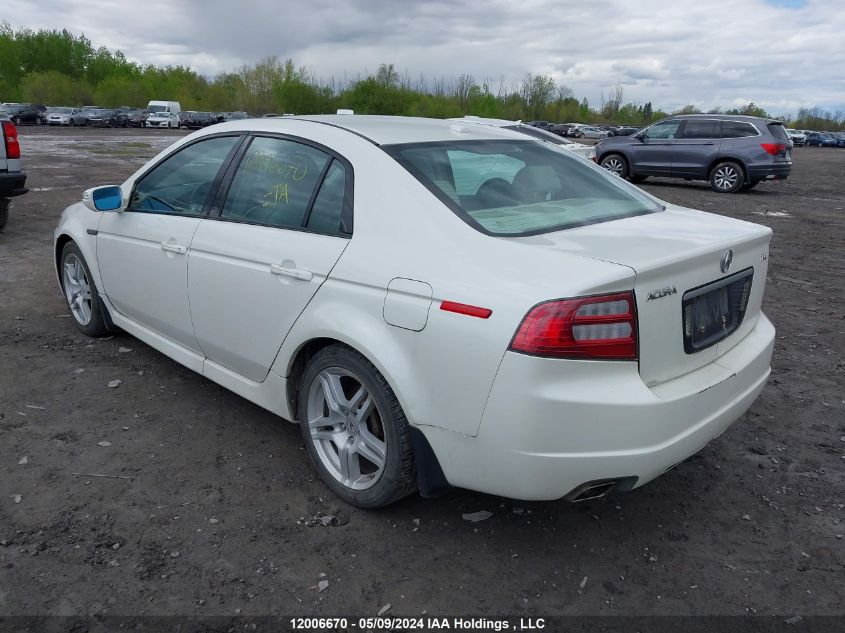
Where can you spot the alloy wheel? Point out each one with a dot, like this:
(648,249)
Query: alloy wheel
(346,428)
(77,289)
(726,177)
(614,165)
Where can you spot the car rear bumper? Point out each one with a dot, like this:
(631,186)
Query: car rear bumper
(776,171)
(12,184)
(551,426)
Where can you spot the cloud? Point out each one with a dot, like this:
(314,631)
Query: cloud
(774,52)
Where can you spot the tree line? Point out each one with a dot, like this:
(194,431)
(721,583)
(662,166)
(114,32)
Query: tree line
(57,67)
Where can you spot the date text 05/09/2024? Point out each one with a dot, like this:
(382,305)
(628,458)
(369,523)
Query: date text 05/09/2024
(428,623)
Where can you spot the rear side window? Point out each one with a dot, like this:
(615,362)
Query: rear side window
(325,216)
(181,183)
(737,129)
(514,188)
(274,183)
(700,129)
(778,131)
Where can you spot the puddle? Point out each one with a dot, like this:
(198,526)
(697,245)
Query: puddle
(772,214)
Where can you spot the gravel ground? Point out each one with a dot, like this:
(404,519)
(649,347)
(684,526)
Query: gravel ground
(212,508)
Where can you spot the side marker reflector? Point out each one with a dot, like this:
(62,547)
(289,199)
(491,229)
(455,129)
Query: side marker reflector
(463,308)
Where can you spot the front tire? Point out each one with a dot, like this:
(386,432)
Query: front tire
(354,429)
(615,164)
(81,294)
(727,177)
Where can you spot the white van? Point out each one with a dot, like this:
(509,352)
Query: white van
(163,114)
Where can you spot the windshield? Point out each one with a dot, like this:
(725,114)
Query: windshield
(514,188)
(156,108)
(62,111)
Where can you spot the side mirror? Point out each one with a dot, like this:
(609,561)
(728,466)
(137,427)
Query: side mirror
(107,198)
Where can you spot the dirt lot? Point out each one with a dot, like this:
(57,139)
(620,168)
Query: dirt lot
(218,511)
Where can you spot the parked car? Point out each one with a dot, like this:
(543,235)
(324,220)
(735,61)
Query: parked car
(128,117)
(839,137)
(67,116)
(820,139)
(561,129)
(587,131)
(731,152)
(163,119)
(594,337)
(197,120)
(625,130)
(797,136)
(100,118)
(585,151)
(12,179)
(25,113)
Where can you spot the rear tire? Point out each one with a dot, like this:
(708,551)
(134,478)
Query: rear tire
(4,212)
(615,164)
(354,429)
(81,295)
(727,177)
(636,179)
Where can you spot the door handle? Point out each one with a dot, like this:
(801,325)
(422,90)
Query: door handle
(296,273)
(172,247)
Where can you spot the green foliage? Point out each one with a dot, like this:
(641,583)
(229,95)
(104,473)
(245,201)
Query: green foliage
(57,67)
(54,87)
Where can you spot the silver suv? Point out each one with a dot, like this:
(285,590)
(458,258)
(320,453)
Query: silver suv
(732,152)
(12,179)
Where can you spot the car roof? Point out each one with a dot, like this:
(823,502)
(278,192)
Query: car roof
(486,121)
(726,117)
(390,130)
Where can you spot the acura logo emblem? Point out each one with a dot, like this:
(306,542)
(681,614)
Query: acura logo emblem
(727,258)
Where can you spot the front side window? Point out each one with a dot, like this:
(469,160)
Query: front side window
(514,188)
(663,129)
(181,183)
(274,183)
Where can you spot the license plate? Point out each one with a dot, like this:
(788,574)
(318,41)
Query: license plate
(713,312)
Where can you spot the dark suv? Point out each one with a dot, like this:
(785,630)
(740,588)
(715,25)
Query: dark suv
(732,152)
(20,113)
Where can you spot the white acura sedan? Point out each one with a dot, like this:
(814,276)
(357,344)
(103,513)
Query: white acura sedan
(435,303)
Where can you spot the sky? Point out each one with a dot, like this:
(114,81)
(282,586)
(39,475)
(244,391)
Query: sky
(781,54)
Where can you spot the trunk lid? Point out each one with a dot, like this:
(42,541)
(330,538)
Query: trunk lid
(677,254)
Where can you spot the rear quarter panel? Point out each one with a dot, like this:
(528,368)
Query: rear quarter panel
(442,374)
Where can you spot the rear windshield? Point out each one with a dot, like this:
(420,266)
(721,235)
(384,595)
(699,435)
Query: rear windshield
(515,188)
(778,131)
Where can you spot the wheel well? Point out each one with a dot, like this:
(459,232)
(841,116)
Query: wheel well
(60,245)
(297,368)
(732,159)
(599,159)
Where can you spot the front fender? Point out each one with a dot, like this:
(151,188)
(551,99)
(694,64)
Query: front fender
(78,223)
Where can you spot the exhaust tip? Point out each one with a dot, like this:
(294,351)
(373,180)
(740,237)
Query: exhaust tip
(599,488)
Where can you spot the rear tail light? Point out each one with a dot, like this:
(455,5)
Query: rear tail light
(598,327)
(773,148)
(10,138)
